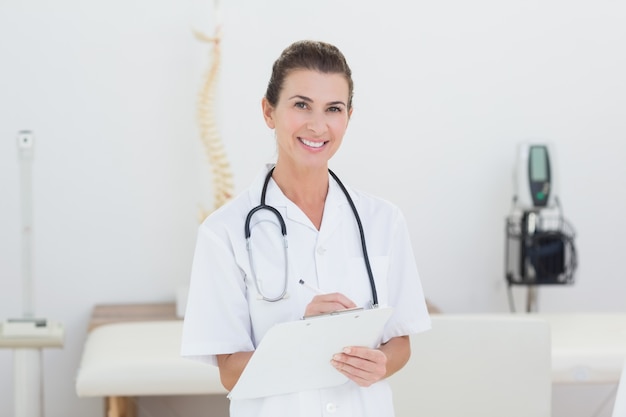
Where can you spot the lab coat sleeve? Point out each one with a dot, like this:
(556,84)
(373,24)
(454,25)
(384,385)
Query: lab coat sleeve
(406,295)
(217,320)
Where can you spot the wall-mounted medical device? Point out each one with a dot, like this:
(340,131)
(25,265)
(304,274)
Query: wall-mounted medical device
(539,241)
(535,179)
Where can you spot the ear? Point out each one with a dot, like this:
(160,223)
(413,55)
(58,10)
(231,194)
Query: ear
(268,113)
(349,116)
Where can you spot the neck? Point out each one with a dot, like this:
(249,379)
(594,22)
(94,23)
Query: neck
(302,185)
(307,188)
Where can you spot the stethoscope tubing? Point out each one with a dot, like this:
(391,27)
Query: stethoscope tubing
(283,229)
(366,258)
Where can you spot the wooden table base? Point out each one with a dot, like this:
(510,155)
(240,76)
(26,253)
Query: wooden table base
(120,407)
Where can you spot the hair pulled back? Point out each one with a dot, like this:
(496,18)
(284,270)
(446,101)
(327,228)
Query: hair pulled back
(309,55)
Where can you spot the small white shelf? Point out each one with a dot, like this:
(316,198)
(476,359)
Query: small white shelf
(30,334)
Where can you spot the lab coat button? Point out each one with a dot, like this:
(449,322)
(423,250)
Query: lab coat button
(331,407)
(321,250)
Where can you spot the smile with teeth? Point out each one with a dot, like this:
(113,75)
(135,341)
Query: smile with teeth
(313,144)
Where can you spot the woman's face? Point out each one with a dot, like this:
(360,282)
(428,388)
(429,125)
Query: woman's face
(310,118)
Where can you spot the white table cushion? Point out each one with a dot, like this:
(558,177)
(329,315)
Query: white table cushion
(587,347)
(143,358)
(139,359)
(477,366)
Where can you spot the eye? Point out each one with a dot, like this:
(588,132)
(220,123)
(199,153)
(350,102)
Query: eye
(335,109)
(301,105)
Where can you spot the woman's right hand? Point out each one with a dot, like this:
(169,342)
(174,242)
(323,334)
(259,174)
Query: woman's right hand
(327,303)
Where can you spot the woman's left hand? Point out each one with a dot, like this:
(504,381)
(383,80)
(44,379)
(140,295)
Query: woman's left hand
(363,365)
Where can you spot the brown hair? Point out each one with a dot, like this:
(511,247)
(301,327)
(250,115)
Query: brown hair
(310,55)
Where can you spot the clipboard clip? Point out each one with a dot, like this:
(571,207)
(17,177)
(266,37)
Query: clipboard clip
(334,313)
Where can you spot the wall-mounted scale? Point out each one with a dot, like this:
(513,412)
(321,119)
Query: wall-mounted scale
(539,241)
(28,335)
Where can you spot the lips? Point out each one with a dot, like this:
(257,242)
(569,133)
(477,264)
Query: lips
(313,144)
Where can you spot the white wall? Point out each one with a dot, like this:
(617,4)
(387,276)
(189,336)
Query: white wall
(444,92)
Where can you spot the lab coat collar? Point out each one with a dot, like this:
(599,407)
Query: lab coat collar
(335,201)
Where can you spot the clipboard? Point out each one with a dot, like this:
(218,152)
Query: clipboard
(295,356)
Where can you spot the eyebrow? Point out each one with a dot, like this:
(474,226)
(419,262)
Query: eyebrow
(309,100)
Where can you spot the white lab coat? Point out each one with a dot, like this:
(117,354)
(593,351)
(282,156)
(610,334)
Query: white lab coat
(225,315)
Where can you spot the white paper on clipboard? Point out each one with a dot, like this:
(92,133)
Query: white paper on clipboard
(295,356)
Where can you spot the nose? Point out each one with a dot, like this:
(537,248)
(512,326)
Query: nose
(316,124)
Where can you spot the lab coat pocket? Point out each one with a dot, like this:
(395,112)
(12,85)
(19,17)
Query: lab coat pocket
(360,290)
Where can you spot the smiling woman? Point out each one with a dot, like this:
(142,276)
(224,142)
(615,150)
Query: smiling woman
(309,120)
(354,246)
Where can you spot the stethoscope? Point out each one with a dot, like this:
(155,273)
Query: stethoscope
(283,230)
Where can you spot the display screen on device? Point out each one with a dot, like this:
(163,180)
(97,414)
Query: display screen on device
(538,163)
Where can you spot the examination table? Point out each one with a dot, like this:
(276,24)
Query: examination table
(133,350)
